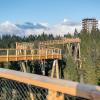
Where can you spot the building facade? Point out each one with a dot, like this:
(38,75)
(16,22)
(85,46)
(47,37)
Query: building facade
(89,24)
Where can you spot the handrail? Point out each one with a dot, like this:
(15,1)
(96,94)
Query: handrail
(61,41)
(29,54)
(50,48)
(57,85)
(46,49)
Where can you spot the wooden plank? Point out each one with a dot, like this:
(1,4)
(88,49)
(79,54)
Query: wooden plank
(63,86)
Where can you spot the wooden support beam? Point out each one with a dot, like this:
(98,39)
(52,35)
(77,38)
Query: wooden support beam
(7,54)
(55,70)
(23,67)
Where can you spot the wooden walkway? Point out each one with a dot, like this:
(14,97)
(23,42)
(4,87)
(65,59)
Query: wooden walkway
(7,55)
(60,41)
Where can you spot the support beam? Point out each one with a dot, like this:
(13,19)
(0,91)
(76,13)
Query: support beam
(23,67)
(55,70)
(43,67)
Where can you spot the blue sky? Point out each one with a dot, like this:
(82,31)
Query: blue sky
(49,16)
(51,11)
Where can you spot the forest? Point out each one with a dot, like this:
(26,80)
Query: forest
(90,54)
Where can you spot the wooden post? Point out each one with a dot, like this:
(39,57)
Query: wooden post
(23,67)
(52,53)
(7,55)
(46,54)
(39,54)
(57,53)
(53,69)
(75,53)
(25,55)
(60,53)
(32,52)
(79,50)
(16,54)
(69,50)
(57,69)
(71,47)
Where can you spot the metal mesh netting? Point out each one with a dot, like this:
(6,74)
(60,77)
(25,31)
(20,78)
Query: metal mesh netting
(13,90)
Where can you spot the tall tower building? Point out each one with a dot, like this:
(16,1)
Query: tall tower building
(89,23)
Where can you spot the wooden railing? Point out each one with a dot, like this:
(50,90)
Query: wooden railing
(29,54)
(61,41)
(14,82)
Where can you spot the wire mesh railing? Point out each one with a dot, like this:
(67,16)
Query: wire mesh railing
(24,86)
(13,90)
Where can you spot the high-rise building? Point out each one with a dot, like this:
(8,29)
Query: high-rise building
(89,23)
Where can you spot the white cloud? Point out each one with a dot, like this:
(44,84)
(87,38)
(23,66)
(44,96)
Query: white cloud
(65,27)
(9,28)
(30,28)
(34,31)
(44,24)
(65,20)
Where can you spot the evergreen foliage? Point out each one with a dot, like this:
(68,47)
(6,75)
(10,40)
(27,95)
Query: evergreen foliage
(90,54)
